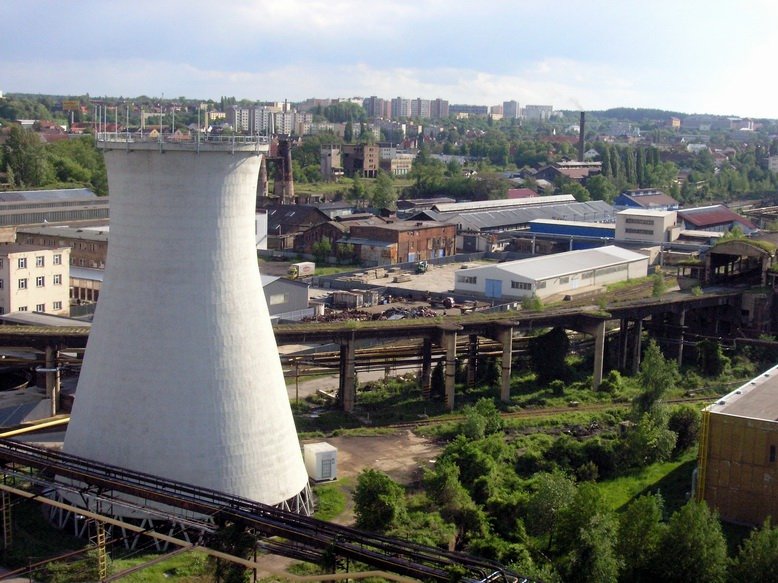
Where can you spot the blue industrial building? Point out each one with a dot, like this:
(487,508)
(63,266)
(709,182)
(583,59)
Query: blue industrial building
(583,235)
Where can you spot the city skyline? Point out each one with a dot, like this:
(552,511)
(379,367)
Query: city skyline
(690,57)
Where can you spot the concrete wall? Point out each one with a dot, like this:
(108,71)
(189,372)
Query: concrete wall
(741,481)
(181,376)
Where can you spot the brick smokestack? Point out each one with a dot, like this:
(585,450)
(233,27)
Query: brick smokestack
(581,132)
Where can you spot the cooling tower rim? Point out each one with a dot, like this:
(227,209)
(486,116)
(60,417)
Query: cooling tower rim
(130,142)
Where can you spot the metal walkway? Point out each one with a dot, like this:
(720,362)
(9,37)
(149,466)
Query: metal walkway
(297,536)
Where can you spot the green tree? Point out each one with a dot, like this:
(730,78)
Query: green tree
(553,492)
(576,516)
(321,250)
(438,380)
(657,376)
(684,421)
(384,193)
(693,547)
(600,188)
(548,353)
(593,558)
(658,286)
(357,192)
(379,502)
(710,358)
(650,440)
(639,536)
(348,132)
(455,503)
(757,556)
(26,157)
(579,192)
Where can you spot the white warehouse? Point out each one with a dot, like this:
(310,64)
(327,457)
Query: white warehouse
(550,275)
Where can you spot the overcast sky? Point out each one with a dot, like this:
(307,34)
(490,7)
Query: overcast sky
(692,56)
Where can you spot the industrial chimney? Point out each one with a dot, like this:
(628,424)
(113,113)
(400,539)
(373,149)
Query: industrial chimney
(581,137)
(181,376)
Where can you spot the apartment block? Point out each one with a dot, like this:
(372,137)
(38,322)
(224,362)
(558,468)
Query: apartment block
(34,279)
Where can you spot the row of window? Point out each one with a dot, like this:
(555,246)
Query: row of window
(520,285)
(40,281)
(55,306)
(640,221)
(40,261)
(471,279)
(640,231)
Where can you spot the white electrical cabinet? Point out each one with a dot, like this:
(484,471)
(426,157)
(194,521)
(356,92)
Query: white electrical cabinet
(321,461)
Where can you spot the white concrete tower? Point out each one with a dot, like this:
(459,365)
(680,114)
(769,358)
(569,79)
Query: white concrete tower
(181,376)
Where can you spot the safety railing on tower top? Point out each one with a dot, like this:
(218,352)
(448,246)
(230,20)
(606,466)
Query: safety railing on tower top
(180,138)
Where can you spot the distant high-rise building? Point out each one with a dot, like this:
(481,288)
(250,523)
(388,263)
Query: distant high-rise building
(469,109)
(420,108)
(401,108)
(438,109)
(511,110)
(538,112)
(239,118)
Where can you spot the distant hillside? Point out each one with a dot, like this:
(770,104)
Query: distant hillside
(636,114)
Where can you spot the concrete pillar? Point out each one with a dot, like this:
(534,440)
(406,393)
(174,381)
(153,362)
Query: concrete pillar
(507,354)
(450,342)
(426,368)
(599,353)
(52,379)
(681,324)
(623,344)
(348,376)
(472,359)
(637,340)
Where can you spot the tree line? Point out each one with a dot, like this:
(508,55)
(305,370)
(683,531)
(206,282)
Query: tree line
(29,163)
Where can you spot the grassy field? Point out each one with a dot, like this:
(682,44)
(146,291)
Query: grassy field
(672,479)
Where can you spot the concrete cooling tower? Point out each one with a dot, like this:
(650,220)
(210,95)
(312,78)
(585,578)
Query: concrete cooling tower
(181,376)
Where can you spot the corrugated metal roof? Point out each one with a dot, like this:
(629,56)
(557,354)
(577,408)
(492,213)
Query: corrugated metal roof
(368,242)
(711,216)
(86,273)
(560,264)
(560,222)
(44,195)
(478,205)
(754,400)
(595,211)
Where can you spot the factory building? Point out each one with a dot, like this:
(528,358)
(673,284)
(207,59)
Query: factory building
(737,471)
(552,276)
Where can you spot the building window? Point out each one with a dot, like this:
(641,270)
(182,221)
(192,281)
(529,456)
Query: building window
(40,261)
(40,281)
(1,284)
(470,279)
(57,279)
(520,285)
(22,263)
(57,305)
(2,310)
(22,308)
(541,285)
(40,307)
(276,299)
(639,231)
(23,283)
(564,280)
(1,263)
(58,259)
(772,453)
(640,221)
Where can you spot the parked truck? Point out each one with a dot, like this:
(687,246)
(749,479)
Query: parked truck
(302,269)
